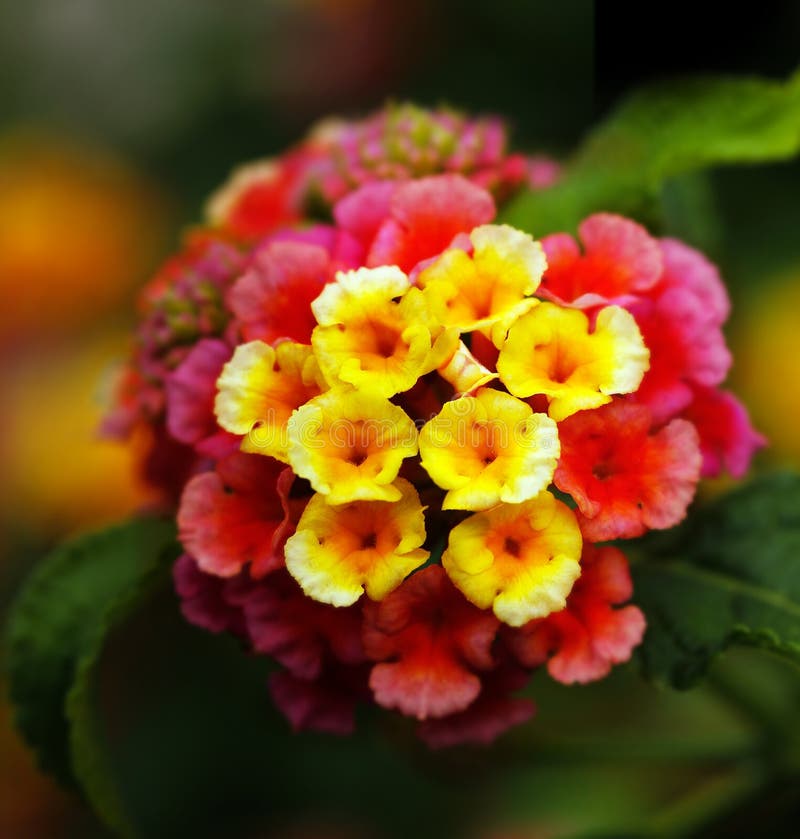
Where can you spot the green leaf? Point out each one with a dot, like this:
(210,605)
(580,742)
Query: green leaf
(660,132)
(56,628)
(730,575)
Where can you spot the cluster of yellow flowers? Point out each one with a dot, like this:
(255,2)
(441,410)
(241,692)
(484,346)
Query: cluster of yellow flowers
(343,413)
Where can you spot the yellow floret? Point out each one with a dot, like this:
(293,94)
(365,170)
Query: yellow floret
(550,351)
(350,445)
(260,387)
(520,560)
(376,332)
(489,448)
(338,552)
(488,287)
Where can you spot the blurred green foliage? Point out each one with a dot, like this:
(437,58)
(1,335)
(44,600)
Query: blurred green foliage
(65,609)
(658,133)
(729,575)
(193,747)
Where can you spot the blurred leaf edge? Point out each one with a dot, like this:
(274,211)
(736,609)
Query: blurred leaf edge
(662,131)
(729,576)
(55,633)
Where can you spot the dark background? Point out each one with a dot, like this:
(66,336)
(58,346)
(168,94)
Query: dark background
(636,42)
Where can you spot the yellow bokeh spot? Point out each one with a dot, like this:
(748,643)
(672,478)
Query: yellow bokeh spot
(338,552)
(551,351)
(376,332)
(260,387)
(78,229)
(493,284)
(521,560)
(59,473)
(350,445)
(489,448)
(765,341)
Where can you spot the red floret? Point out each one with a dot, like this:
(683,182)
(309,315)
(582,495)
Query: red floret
(583,641)
(430,644)
(625,475)
(239,514)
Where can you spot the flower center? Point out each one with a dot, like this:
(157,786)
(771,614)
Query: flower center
(358,456)
(385,339)
(561,368)
(602,470)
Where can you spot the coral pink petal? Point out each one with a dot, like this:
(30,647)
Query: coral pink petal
(577,661)
(614,632)
(672,468)
(620,260)
(583,641)
(561,251)
(424,687)
(625,476)
(623,248)
(269,202)
(227,518)
(272,299)
(426,215)
(429,643)
(605,571)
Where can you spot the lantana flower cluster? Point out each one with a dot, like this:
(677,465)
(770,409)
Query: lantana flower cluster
(403,440)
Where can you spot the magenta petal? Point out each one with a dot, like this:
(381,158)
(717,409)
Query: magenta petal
(362,212)
(686,268)
(190,392)
(481,724)
(728,440)
(204,600)
(326,704)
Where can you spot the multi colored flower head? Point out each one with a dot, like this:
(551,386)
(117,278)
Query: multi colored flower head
(401,142)
(404,141)
(408,432)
